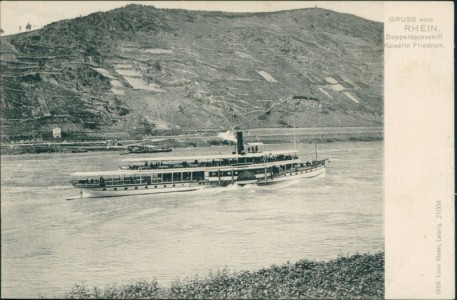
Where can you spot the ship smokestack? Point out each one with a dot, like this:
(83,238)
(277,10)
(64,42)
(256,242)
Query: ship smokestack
(239,143)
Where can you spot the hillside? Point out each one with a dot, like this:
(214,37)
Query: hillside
(135,70)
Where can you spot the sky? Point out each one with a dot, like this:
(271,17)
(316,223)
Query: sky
(15,14)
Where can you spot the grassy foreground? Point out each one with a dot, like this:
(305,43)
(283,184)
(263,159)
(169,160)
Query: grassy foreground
(357,276)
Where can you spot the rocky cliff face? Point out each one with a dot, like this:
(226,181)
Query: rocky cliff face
(138,69)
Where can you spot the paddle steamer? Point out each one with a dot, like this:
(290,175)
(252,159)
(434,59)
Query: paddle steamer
(179,174)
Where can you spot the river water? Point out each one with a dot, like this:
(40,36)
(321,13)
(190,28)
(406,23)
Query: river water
(49,244)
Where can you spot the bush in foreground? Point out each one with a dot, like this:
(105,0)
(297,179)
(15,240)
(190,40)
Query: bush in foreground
(359,276)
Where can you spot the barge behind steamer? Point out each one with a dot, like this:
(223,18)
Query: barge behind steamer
(179,174)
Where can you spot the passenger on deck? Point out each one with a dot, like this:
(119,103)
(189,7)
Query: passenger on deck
(256,148)
(102,182)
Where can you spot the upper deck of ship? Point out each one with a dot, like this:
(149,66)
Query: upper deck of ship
(132,166)
(207,157)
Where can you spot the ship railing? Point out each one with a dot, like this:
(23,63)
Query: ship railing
(86,185)
(186,165)
(94,183)
(130,181)
(241,164)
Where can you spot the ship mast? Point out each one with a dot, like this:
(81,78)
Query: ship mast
(315,146)
(295,137)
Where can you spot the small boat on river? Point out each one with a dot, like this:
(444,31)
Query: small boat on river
(152,175)
(141,149)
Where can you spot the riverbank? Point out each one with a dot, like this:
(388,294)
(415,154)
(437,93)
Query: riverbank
(360,276)
(267,136)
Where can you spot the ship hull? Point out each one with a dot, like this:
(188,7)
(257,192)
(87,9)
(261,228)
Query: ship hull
(299,174)
(146,151)
(139,190)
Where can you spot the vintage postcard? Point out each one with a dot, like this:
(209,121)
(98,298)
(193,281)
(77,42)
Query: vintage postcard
(227,149)
(419,150)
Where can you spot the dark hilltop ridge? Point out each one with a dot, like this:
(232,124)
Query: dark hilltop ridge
(139,70)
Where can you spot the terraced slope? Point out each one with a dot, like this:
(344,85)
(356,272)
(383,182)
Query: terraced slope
(138,69)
